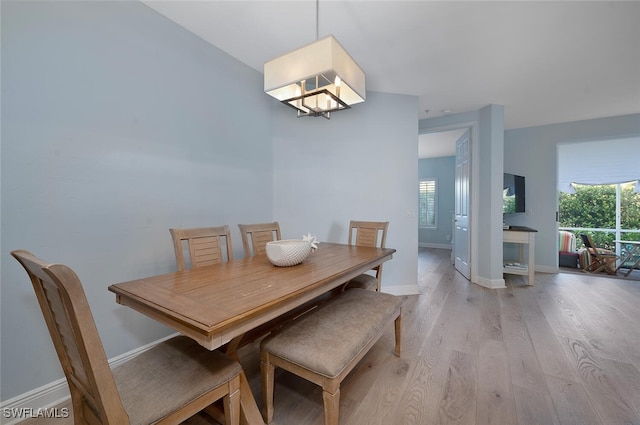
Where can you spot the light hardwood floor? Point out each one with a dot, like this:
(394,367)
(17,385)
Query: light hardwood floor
(565,351)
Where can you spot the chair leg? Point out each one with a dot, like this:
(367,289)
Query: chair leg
(331,406)
(607,264)
(594,266)
(398,326)
(232,403)
(599,266)
(268,372)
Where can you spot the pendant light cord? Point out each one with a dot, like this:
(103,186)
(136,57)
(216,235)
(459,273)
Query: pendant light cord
(317,19)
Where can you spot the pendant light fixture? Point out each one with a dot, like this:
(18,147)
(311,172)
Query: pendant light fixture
(316,79)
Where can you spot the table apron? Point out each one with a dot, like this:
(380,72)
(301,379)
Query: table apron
(210,342)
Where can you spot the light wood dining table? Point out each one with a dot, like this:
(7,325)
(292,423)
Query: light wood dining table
(217,305)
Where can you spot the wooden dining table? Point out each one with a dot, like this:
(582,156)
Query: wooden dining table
(217,305)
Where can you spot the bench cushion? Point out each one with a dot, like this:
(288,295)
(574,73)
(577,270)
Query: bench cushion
(327,339)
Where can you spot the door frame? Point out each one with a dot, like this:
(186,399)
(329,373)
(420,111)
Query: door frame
(473,228)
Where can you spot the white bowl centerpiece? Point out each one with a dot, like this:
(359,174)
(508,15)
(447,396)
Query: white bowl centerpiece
(290,252)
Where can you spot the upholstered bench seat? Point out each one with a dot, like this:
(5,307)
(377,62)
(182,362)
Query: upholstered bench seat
(325,345)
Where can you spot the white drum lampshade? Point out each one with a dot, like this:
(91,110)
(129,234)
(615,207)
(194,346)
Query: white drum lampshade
(316,79)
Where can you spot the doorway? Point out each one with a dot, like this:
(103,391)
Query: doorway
(599,195)
(446,159)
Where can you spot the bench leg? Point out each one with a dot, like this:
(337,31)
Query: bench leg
(331,407)
(398,323)
(268,372)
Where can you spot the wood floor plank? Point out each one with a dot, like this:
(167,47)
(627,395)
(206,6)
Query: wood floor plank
(378,406)
(618,333)
(554,308)
(458,401)
(524,365)
(427,309)
(491,320)
(496,404)
(552,358)
(625,378)
(606,397)
(572,403)
(534,407)
(419,403)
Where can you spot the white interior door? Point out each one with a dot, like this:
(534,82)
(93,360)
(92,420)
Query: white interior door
(462,195)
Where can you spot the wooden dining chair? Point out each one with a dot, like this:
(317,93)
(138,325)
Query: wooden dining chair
(599,258)
(256,236)
(166,384)
(205,244)
(368,233)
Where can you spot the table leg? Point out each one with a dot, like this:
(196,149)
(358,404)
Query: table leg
(249,412)
(531,262)
(622,261)
(635,265)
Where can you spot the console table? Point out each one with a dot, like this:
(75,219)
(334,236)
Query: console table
(521,235)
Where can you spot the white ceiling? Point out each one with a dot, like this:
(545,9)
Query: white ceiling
(545,61)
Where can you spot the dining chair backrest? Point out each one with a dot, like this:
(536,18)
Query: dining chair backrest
(205,245)
(256,236)
(76,340)
(368,233)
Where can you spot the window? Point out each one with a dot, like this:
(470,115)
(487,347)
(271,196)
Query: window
(427,205)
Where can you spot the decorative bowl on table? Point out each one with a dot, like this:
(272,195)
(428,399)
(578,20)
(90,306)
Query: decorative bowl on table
(288,252)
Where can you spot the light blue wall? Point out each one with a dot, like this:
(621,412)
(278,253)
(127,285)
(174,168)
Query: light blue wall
(491,151)
(360,165)
(443,169)
(532,152)
(116,125)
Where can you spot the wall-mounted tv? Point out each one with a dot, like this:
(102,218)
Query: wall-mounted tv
(513,194)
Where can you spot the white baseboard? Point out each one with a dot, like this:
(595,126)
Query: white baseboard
(55,392)
(546,269)
(491,283)
(435,245)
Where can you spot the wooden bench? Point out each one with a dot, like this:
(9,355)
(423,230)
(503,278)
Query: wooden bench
(325,345)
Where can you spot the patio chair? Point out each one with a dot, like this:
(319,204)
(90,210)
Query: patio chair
(598,258)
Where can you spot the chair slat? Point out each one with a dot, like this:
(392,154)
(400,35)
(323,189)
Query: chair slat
(204,244)
(366,234)
(256,236)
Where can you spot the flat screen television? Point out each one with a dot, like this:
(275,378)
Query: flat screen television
(513,194)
